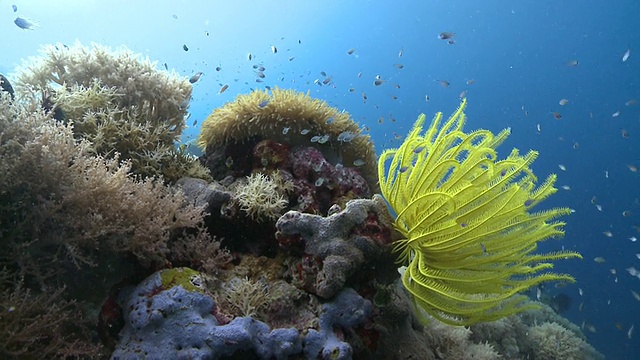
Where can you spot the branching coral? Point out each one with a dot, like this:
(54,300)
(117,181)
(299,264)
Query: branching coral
(261,198)
(469,235)
(40,325)
(57,195)
(117,100)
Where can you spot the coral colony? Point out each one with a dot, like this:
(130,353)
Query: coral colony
(285,239)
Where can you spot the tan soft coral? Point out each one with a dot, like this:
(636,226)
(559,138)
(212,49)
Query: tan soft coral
(120,102)
(56,194)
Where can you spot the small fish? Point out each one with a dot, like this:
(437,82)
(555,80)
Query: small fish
(398,66)
(632,168)
(358,162)
(378,82)
(403,169)
(218,68)
(263,104)
(323,139)
(607,233)
(562,167)
(360,74)
(327,80)
(324,74)
(364,97)
(319,182)
(626,213)
(330,120)
(401,52)
(223,89)
(274,49)
(260,74)
(418,149)
(195,77)
(626,55)
(229,162)
(174,16)
(630,332)
(426,98)
(15,8)
(184,47)
(572,63)
(539,127)
(631,102)
(635,295)
(166,67)
(444,83)
(304,131)
(352,90)
(580,291)
(633,239)
(581,306)
(351,51)
(462,95)
(563,102)
(566,187)
(285,130)
(446,35)
(624,133)
(556,115)
(315,138)
(470,81)
(538,293)
(346,136)
(291,58)
(599,259)
(25,24)
(599,207)
(249,56)
(616,114)
(484,249)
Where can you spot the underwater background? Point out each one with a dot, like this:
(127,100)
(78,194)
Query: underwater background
(515,61)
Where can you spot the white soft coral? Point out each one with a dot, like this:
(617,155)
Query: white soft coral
(261,198)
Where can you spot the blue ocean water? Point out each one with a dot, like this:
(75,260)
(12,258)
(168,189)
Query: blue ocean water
(514,60)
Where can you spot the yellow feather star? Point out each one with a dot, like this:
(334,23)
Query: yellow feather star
(469,238)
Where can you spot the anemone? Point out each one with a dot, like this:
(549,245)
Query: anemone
(470,235)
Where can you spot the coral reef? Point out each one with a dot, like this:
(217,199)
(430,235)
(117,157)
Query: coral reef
(468,234)
(170,315)
(118,101)
(95,242)
(286,117)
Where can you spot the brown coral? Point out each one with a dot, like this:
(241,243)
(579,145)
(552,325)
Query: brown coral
(290,117)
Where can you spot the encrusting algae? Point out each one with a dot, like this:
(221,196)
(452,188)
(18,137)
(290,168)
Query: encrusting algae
(469,235)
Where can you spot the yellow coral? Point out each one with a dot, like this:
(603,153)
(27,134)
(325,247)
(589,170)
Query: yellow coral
(266,115)
(469,235)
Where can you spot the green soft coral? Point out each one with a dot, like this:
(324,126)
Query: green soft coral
(469,238)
